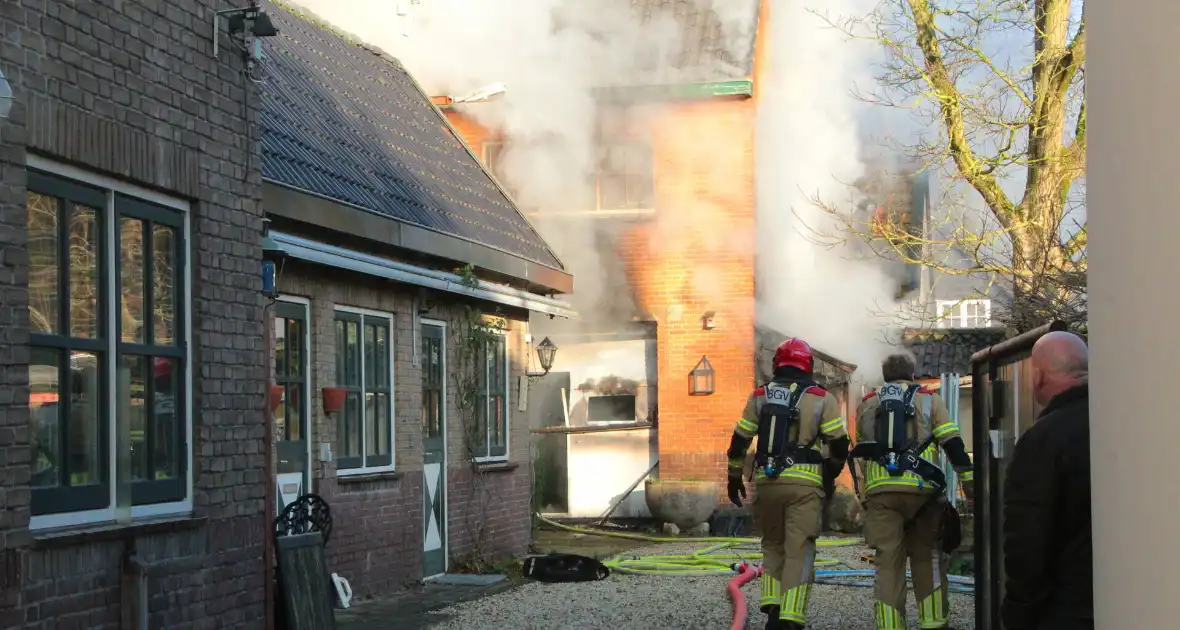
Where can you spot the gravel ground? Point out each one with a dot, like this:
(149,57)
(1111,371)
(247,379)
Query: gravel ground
(641,602)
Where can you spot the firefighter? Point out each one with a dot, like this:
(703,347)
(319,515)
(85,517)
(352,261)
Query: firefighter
(900,428)
(793,418)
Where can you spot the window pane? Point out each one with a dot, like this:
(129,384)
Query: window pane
(612,192)
(351,426)
(83,265)
(294,412)
(639,191)
(131,280)
(83,439)
(44,265)
(382,444)
(499,427)
(44,410)
(280,345)
(164,284)
(352,355)
(371,420)
(295,348)
(370,346)
(383,358)
(480,435)
(165,417)
(132,399)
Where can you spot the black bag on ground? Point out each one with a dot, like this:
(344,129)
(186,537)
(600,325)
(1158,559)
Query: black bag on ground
(952,529)
(564,567)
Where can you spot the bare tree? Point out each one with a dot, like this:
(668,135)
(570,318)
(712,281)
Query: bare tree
(1003,83)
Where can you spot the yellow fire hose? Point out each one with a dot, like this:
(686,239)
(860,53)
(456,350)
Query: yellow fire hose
(719,557)
(724,552)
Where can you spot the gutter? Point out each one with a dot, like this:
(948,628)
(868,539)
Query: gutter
(352,260)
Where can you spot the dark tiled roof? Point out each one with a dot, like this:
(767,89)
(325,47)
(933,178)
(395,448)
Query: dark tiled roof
(948,350)
(344,120)
(717,36)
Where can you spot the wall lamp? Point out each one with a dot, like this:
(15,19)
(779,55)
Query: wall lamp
(546,351)
(273,258)
(701,379)
(251,19)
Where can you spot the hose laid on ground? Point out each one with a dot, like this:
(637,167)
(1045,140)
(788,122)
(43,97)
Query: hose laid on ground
(745,573)
(721,557)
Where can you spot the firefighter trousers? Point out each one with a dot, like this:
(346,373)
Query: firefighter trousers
(788,515)
(901,525)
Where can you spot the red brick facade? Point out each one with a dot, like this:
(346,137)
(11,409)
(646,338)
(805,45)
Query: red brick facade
(377,536)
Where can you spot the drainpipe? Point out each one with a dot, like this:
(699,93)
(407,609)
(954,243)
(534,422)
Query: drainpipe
(269,476)
(135,589)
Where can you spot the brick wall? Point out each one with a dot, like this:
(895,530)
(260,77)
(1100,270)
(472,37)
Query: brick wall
(130,89)
(697,256)
(377,533)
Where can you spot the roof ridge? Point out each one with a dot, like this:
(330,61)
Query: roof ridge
(309,16)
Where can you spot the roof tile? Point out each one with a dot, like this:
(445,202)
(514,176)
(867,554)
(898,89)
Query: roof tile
(343,120)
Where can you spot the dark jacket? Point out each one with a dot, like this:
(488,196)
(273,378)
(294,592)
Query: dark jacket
(1048,551)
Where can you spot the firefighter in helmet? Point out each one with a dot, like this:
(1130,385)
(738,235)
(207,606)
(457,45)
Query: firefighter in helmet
(900,428)
(793,418)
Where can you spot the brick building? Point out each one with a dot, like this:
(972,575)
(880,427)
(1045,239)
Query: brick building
(375,202)
(131,339)
(672,210)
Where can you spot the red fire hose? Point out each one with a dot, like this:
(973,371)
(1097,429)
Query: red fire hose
(746,572)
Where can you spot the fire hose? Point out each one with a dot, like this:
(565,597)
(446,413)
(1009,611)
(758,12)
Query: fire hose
(729,555)
(745,573)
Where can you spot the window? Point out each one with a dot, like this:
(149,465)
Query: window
(964,313)
(493,401)
(622,180)
(364,368)
(625,179)
(610,409)
(108,343)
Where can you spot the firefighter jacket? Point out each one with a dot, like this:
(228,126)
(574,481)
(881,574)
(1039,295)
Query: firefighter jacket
(819,417)
(931,418)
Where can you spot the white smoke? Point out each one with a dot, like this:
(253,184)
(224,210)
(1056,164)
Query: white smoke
(809,143)
(551,55)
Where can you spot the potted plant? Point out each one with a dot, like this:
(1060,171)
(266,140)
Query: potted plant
(334,399)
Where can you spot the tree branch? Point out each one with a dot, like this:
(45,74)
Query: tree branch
(938,77)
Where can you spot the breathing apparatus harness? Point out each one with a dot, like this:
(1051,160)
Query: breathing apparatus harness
(776,451)
(893,451)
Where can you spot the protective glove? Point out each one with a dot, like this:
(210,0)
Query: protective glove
(737,489)
(831,470)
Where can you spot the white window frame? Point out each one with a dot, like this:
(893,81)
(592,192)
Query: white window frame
(487,434)
(112,187)
(957,311)
(391,319)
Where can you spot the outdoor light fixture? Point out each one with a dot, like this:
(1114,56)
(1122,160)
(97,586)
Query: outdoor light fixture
(250,20)
(546,351)
(273,258)
(700,380)
(707,320)
(5,96)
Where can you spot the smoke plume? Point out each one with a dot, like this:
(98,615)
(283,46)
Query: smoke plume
(809,144)
(551,55)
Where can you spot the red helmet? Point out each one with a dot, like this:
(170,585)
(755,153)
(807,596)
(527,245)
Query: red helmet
(794,353)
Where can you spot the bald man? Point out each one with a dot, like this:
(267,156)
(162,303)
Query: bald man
(1048,553)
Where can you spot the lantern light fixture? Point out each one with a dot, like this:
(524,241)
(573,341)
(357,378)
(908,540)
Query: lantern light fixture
(546,352)
(701,379)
